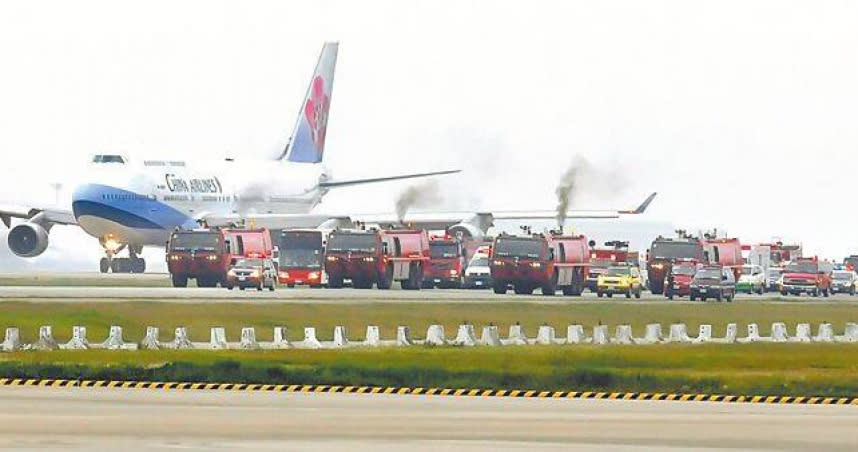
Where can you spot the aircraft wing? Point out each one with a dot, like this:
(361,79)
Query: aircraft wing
(49,214)
(346,183)
(425,220)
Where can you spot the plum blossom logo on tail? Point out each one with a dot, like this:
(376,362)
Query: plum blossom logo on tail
(316,112)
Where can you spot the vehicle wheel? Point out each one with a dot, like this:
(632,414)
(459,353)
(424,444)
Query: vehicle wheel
(240,287)
(551,287)
(815,293)
(629,293)
(228,287)
(568,291)
(259,287)
(179,280)
(104,265)
(385,280)
(720,296)
(783,293)
(852,291)
(760,290)
(825,293)
(499,287)
(730,298)
(599,294)
(138,265)
(692,298)
(610,295)
(703,299)
(638,293)
(335,282)
(272,286)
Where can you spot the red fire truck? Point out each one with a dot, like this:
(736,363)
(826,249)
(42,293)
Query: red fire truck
(664,252)
(725,252)
(807,275)
(547,262)
(207,254)
(302,255)
(368,257)
(446,267)
(614,253)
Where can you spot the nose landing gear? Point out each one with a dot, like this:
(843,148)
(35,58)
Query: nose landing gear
(113,264)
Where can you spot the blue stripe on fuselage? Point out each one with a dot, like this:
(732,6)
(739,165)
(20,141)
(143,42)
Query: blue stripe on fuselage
(127,208)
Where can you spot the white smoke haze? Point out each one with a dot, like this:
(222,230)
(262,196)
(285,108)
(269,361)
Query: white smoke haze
(422,196)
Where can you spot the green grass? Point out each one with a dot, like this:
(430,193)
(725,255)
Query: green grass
(793,369)
(134,316)
(788,369)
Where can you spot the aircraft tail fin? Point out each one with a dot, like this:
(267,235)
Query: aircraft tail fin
(307,143)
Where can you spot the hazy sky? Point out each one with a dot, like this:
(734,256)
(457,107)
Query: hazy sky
(741,114)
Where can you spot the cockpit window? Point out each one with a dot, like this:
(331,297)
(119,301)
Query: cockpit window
(106,158)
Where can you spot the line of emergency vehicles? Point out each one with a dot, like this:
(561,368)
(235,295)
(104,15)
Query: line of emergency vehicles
(706,267)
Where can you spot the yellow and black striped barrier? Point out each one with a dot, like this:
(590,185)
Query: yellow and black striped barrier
(512,393)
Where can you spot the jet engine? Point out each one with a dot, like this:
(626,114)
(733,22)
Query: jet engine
(28,239)
(466,231)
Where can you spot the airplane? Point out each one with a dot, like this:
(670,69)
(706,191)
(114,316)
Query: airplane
(129,203)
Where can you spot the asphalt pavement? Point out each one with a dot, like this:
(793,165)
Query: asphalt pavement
(143,419)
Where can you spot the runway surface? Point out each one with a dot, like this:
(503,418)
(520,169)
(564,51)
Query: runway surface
(109,419)
(74,287)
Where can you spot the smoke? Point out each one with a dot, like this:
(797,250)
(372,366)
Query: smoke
(566,188)
(423,195)
(582,177)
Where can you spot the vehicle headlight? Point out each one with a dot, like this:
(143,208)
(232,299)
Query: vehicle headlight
(369,259)
(498,263)
(254,274)
(231,272)
(536,264)
(454,272)
(175,257)
(331,258)
(212,257)
(313,275)
(284,275)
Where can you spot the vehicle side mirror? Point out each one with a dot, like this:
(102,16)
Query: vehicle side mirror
(551,255)
(384,248)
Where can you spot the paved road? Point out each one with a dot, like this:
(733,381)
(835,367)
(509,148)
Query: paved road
(100,419)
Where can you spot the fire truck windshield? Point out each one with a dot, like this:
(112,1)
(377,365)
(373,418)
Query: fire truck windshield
(686,270)
(352,242)
(676,250)
(443,250)
(801,267)
(248,263)
(526,248)
(301,250)
(191,241)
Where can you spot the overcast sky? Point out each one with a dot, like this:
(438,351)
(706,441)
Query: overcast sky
(742,115)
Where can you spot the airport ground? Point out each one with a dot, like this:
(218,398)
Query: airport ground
(135,420)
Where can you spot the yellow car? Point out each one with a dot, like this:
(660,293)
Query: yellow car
(620,280)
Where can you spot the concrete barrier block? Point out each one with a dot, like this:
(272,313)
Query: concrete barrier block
(516,336)
(218,338)
(181,340)
(575,334)
(115,341)
(490,336)
(731,334)
(825,333)
(281,338)
(753,334)
(435,335)
(546,335)
(11,341)
(46,339)
(678,333)
(465,336)
(802,333)
(850,334)
(310,340)
(78,340)
(779,332)
(704,333)
(373,337)
(623,335)
(600,335)
(341,338)
(248,339)
(151,341)
(403,336)
(653,334)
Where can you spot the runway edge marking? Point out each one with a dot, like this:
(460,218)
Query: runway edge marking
(446,392)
